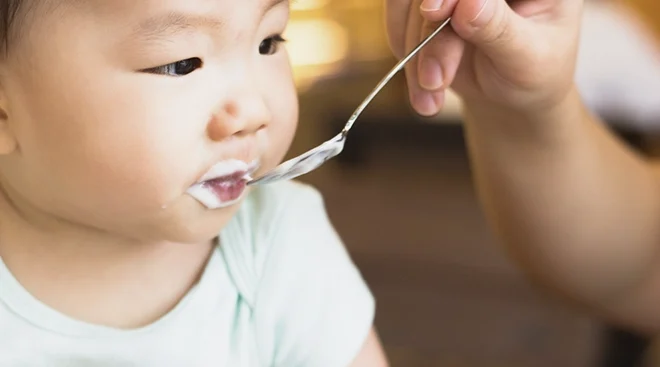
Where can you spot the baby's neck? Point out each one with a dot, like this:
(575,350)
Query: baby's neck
(97,278)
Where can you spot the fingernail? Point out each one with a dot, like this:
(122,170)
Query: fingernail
(431,5)
(485,13)
(430,74)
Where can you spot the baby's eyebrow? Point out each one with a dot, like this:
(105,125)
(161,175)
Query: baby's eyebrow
(175,23)
(172,24)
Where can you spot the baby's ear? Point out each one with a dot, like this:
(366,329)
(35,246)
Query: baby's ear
(8,142)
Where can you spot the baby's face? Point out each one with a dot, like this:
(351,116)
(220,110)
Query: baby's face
(118,107)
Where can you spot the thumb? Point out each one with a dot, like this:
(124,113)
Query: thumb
(490,25)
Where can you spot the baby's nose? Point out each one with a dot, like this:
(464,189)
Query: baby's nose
(243,114)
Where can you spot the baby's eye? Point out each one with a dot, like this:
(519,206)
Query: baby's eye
(270,45)
(179,68)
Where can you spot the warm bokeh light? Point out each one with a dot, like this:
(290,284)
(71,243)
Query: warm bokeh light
(325,38)
(316,48)
(300,5)
(316,42)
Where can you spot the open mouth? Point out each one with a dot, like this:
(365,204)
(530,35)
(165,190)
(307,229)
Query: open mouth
(224,184)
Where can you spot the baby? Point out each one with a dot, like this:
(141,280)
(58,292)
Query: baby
(127,234)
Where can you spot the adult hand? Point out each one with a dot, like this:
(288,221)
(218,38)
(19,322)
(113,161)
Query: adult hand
(518,54)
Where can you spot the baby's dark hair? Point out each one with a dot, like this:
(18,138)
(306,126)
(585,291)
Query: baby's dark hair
(8,11)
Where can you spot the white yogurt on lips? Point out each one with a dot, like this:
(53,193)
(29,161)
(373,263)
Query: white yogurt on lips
(223,184)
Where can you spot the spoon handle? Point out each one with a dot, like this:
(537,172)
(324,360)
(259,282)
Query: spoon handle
(389,76)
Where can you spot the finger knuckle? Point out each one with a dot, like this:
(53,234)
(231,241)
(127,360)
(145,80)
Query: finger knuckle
(498,31)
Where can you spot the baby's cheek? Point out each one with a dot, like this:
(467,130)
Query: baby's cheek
(283,127)
(139,185)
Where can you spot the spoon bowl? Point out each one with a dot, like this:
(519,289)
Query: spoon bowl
(305,162)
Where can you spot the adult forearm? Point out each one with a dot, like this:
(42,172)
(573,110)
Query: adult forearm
(574,206)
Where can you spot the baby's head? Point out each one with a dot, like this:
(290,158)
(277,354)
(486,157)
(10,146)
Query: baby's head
(111,110)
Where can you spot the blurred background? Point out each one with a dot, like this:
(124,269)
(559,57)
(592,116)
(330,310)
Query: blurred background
(402,199)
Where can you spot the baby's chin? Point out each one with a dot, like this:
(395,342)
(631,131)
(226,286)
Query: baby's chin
(185,221)
(203,223)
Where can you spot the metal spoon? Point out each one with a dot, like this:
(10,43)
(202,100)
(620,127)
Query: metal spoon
(314,158)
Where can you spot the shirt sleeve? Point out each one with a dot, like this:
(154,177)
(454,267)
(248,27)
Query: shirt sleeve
(312,304)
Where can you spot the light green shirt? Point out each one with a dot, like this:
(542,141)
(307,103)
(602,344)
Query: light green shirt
(279,291)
